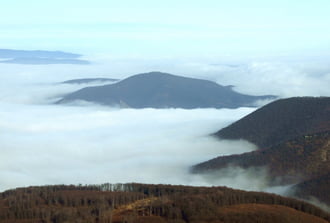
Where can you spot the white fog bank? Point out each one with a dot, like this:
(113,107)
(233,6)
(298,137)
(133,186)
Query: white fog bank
(41,143)
(71,145)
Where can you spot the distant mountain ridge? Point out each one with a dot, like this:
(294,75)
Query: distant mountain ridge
(163,90)
(9,53)
(35,57)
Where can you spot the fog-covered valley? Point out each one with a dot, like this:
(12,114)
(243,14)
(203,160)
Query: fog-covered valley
(164,111)
(43,143)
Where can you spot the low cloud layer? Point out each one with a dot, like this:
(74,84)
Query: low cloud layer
(54,144)
(43,143)
(307,76)
(283,76)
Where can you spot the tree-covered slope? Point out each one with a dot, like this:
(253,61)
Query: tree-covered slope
(151,203)
(302,158)
(281,120)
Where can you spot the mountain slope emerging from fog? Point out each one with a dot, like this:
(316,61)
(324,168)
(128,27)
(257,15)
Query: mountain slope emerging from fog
(162,90)
(150,204)
(281,120)
(294,139)
(302,158)
(318,187)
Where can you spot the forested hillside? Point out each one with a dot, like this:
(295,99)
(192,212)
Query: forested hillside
(302,158)
(318,187)
(293,136)
(281,120)
(151,203)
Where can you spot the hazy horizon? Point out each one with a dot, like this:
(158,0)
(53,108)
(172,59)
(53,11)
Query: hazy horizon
(171,29)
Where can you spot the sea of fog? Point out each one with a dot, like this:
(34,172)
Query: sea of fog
(42,143)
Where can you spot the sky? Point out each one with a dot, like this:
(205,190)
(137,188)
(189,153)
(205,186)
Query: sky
(261,47)
(170,29)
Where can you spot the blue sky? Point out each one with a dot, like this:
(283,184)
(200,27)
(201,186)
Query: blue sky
(167,28)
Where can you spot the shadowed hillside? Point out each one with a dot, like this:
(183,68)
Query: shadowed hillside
(318,187)
(302,158)
(263,213)
(162,90)
(293,136)
(281,120)
(151,203)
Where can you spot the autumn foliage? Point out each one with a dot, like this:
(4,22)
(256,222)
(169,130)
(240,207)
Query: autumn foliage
(116,203)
